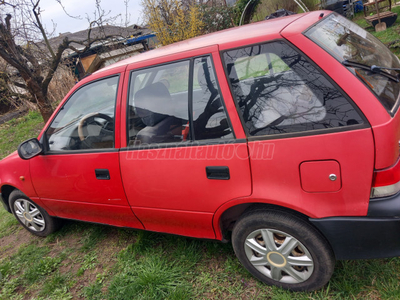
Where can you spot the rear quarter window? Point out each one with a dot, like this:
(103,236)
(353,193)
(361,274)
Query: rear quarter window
(279,91)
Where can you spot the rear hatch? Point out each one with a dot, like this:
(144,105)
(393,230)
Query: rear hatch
(372,63)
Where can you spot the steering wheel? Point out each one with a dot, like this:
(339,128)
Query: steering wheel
(89,118)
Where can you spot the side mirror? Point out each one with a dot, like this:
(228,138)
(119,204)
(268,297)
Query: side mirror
(29,148)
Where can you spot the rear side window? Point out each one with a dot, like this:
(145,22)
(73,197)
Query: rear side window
(278,91)
(174,103)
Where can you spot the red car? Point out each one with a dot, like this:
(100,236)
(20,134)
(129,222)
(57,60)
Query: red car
(282,136)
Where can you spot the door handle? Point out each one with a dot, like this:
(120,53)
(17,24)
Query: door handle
(219,173)
(102,174)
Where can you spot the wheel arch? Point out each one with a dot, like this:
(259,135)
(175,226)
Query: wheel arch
(226,216)
(6,190)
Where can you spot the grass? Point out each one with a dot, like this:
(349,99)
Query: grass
(16,131)
(129,264)
(7,225)
(87,261)
(391,34)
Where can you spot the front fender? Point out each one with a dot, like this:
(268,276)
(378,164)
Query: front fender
(14,172)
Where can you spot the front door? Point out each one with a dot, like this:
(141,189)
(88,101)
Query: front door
(78,177)
(182,160)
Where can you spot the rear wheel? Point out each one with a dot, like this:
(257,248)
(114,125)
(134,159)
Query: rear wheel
(283,249)
(34,218)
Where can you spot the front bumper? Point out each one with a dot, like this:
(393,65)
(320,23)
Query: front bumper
(376,235)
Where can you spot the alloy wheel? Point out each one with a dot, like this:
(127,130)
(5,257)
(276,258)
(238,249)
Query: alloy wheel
(29,215)
(279,256)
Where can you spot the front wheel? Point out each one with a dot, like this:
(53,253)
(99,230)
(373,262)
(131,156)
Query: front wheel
(34,218)
(282,249)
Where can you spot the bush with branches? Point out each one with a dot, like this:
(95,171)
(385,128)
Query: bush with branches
(173,20)
(216,16)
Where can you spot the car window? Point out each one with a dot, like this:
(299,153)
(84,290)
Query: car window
(252,66)
(86,121)
(160,101)
(209,118)
(158,104)
(344,40)
(284,92)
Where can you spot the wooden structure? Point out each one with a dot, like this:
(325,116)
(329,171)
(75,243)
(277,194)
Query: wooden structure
(387,16)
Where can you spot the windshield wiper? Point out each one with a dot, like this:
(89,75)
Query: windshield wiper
(374,69)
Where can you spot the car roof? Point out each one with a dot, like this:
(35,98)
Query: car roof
(228,36)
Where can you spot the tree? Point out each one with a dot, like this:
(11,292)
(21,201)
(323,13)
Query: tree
(244,10)
(173,20)
(25,46)
(9,96)
(216,16)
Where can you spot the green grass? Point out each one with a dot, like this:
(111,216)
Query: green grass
(93,235)
(8,225)
(387,36)
(16,131)
(86,261)
(55,285)
(150,277)
(129,264)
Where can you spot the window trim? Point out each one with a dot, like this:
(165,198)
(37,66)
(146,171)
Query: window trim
(44,139)
(190,103)
(366,123)
(190,98)
(184,144)
(83,151)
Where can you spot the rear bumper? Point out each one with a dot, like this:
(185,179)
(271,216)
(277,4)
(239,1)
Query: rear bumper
(376,235)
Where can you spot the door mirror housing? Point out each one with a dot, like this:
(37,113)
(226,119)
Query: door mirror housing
(30,148)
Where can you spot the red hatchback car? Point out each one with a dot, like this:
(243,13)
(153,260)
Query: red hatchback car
(282,136)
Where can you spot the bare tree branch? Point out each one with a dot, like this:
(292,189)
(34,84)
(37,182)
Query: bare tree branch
(3,2)
(37,61)
(65,11)
(20,85)
(36,13)
(55,62)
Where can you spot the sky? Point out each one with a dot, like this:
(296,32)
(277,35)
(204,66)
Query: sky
(52,11)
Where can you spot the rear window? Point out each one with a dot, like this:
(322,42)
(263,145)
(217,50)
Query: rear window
(344,40)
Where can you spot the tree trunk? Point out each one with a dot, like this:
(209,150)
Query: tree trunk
(40,98)
(45,108)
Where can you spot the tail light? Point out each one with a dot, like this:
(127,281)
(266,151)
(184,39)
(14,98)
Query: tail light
(386,182)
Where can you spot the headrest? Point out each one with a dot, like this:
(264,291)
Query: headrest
(152,103)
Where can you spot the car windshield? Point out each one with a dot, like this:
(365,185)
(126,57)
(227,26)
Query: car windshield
(344,40)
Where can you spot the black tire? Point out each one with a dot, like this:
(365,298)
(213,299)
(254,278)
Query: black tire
(284,246)
(34,218)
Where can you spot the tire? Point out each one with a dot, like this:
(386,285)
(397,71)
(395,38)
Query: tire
(283,249)
(34,218)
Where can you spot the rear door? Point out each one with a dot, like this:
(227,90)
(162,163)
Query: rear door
(311,148)
(182,159)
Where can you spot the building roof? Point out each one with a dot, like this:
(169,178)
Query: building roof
(98,32)
(221,38)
